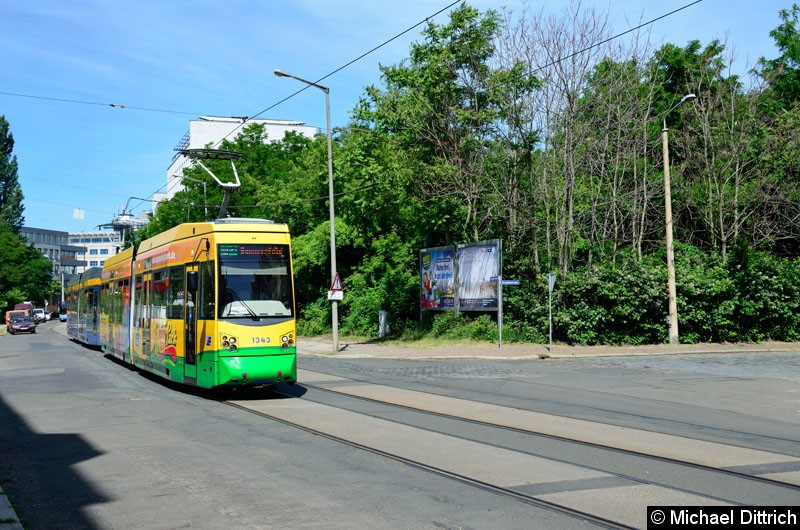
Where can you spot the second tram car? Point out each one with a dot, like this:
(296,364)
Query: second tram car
(206,304)
(83,302)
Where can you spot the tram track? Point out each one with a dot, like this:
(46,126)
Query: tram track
(387,412)
(571,440)
(722,432)
(417,464)
(623,416)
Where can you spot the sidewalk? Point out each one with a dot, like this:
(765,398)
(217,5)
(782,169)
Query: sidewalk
(355,348)
(8,518)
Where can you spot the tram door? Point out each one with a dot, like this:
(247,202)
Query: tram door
(190,322)
(143,284)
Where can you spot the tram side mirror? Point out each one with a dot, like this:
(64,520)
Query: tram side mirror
(191,281)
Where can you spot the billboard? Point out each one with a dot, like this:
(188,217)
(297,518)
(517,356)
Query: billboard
(463,278)
(437,278)
(477,278)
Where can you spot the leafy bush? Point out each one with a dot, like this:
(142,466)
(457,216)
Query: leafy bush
(752,297)
(315,319)
(385,280)
(706,298)
(767,297)
(619,302)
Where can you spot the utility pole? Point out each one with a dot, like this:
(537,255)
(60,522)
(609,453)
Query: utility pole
(673,297)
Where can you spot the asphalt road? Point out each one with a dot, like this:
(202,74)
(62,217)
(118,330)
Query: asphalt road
(88,443)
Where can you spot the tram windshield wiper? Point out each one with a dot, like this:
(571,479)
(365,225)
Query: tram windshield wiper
(238,299)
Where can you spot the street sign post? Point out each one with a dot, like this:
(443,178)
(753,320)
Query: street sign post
(500,283)
(551,282)
(336,292)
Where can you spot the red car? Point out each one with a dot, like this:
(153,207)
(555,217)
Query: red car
(22,325)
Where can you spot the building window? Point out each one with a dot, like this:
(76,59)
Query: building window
(93,264)
(93,252)
(104,252)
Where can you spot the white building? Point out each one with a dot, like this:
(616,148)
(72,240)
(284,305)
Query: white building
(98,247)
(210,131)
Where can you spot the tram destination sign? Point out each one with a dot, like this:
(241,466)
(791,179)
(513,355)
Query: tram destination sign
(231,250)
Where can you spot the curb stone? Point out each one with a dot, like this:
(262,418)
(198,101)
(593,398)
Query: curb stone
(8,517)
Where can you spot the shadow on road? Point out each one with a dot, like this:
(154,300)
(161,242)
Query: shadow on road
(244,393)
(38,475)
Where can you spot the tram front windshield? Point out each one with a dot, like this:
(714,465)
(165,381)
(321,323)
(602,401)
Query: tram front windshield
(254,281)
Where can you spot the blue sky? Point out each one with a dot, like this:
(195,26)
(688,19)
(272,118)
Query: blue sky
(186,58)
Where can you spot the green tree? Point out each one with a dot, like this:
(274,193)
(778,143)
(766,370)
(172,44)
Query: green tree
(11,197)
(446,105)
(715,145)
(783,73)
(25,273)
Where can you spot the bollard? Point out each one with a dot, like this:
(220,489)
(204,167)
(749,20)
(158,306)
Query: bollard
(383,323)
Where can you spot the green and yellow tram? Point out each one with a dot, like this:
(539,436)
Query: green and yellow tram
(207,304)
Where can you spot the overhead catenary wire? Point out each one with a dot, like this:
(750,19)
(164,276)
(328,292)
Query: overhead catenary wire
(286,203)
(427,20)
(614,37)
(333,72)
(96,103)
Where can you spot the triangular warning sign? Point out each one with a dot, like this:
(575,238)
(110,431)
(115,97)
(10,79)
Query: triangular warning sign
(337,283)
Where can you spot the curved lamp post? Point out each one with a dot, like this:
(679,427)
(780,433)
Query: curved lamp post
(673,303)
(334,307)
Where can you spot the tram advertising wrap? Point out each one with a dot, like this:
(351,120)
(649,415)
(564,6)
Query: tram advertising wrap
(203,304)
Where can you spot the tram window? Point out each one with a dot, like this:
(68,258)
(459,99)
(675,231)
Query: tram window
(206,293)
(138,312)
(158,297)
(175,293)
(106,300)
(125,300)
(255,281)
(116,301)
(72,302)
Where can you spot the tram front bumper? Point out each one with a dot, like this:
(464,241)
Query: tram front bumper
(255,370)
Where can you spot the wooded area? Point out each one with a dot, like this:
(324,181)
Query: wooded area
(521,127)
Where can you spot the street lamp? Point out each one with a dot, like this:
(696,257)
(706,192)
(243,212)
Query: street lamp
(334,306)
(673,302)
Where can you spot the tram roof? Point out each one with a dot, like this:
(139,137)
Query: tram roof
(228,225)
(83,278)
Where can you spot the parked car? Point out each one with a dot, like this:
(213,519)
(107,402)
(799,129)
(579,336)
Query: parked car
(40,315)
(22,325)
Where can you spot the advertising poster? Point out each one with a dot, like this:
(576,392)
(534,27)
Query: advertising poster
(437,278)
(478,270)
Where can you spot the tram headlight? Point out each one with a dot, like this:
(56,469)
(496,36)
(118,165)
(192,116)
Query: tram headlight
(229,342)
